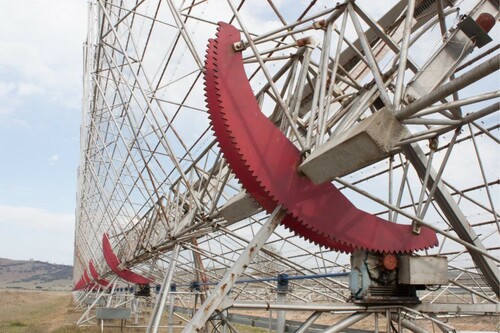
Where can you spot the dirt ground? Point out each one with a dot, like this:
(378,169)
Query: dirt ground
(48,311)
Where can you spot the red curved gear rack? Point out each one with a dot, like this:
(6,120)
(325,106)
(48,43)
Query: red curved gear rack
(90,286)
(80,284)
(95,275)
(113,263)
(240,169)
(86,278)
(84,283)
(265,162)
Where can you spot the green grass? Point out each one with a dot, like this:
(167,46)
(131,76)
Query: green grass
(17,324)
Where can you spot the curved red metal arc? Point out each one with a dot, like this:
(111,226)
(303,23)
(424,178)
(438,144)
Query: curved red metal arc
(265,162)
(95,275)
(83,282)
(80,284)
(90,286)
(113,263)
(237,164)
(86,277)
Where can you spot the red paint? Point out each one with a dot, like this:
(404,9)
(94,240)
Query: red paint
(265,161)
(86,277)
(486,21)
(80,284)
(390,262)
(238,165)
(113,263)
(95,275)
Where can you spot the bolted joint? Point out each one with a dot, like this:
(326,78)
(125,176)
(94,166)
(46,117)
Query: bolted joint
(239,46)
(319,24)
(304,41)
(434,143)
(308,41)
(194,286)
(216,226)
(282,285)
(416,228)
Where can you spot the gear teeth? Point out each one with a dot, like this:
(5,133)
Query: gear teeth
(227,116)
(289,222)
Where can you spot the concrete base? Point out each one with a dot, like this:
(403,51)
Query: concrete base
(113,313)
(241,206)
(428,270)
(366,143)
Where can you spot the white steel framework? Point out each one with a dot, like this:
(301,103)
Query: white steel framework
(153,178)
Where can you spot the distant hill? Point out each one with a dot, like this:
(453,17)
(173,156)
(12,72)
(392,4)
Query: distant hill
(33,274)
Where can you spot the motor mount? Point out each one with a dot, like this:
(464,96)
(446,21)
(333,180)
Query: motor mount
(378,278)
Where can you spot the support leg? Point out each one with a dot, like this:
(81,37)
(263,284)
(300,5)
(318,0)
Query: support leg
(346,322)
(303,328)
(154,321)
(215,298)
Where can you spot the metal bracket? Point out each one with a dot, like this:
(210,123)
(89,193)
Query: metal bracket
(239,46)
(474,31)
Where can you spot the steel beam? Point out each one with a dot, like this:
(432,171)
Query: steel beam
(449,88)
(239,207)
(348,321)
(281,317)
(407,324)
(309,321)
(454,216)
(227,282)
(477,308)
(154,321)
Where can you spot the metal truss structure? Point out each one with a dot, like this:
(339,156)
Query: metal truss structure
(395,103)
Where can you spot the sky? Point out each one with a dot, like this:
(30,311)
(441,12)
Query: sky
(41,45)
(41,48)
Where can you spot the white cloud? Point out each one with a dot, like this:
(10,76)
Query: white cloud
(27,89)
(53,159)
(29,232)
(5,111)
(6,88)
(32,218)
(44,47)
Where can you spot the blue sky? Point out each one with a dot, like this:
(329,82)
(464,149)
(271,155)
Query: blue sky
(41,46)
(40,106)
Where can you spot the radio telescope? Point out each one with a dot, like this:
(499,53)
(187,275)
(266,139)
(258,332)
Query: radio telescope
(305,157)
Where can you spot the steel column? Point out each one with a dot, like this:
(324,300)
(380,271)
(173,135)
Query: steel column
(346,322)
(154,321)
(309,321)
(455,217)
(449,88)
(227,282)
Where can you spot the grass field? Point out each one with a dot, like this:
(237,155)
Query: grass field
(37,312)
(23,311)
(31,311)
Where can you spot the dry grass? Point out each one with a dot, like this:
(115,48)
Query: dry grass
(32,311)
(23,311)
